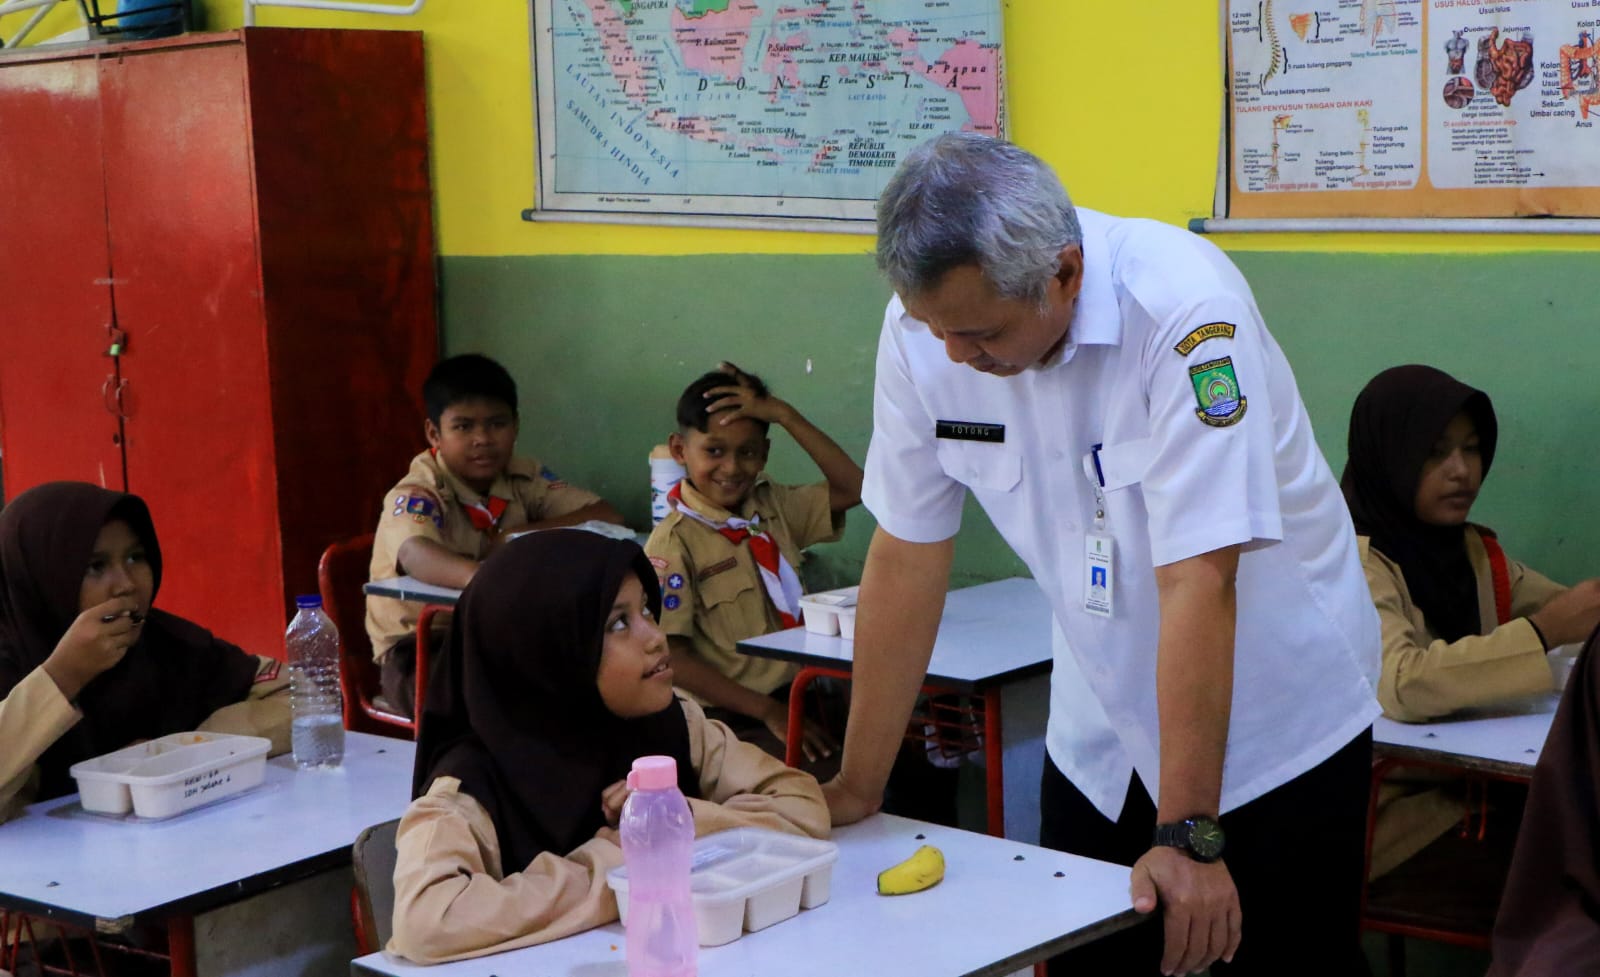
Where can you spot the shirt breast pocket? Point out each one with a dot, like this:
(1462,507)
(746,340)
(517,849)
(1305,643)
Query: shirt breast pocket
(734,607)
(981,466)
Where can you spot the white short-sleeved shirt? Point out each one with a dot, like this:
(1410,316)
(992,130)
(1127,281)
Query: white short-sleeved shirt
(1165,327)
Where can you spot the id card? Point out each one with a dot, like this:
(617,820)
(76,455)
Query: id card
(1099,573)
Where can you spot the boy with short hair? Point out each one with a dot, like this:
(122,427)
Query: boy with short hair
(462,496)
(726,552)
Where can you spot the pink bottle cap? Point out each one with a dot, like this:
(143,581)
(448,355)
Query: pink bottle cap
(653,773)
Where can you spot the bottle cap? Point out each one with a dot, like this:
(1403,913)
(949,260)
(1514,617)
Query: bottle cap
(653,773)
(308,601)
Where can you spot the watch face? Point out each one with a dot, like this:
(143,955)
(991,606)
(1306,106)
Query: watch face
(1205,838)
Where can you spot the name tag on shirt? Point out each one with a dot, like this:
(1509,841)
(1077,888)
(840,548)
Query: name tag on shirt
(1099,574)
(969,431)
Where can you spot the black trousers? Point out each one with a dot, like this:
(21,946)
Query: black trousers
(1296,855)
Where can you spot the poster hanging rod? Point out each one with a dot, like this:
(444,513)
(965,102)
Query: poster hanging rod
(1394,225)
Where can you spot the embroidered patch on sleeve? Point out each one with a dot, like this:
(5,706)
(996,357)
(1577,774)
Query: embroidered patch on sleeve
(1216,390)
(1211,330)
(675,582)
(420,508)
(671,602)
(551,477)
(717,568)
(268,670)
(659,563)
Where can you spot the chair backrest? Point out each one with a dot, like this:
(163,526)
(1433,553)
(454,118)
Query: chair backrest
(373,856)
(341,573)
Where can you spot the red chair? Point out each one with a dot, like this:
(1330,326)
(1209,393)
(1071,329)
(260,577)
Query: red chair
(341,574)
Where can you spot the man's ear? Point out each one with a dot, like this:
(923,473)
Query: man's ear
(677,446)
(1068,279)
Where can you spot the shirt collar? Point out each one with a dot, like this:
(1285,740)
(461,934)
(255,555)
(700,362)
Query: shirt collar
(1096,316)
(704,506)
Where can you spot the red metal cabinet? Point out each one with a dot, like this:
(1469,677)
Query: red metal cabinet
(248,215)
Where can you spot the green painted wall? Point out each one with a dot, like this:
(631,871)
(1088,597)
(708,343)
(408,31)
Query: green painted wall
(601,347)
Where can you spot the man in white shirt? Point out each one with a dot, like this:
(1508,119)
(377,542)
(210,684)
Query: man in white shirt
(1107,390)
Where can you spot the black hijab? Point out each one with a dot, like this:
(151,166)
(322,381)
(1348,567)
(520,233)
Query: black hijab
(1396,421)
(513,708)
(176,674)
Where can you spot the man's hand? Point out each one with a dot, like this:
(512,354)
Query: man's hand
(1197,900)
(814,742)
(96,641)
(611,801)
(845,806)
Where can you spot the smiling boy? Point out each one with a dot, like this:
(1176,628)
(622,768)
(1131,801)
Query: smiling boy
(461,497)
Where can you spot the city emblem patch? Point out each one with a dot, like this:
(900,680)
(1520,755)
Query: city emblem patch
(1216,390)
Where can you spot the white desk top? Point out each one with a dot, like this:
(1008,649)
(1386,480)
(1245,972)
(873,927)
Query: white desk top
(1506,740)
(61,862)
(410,588)
(989,634)
(991,915)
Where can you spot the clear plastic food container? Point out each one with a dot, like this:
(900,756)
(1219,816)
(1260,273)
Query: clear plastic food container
(747,879)
(831,611)
(172,774)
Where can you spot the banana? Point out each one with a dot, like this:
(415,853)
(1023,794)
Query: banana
(923,870)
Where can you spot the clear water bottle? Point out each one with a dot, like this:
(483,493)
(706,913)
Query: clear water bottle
(313,642)
(658,847)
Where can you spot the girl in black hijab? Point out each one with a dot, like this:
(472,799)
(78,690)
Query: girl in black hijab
(1463,626)
(87,664)
(554,680)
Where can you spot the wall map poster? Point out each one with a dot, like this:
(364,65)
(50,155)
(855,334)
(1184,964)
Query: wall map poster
(1413,108)
(752,108)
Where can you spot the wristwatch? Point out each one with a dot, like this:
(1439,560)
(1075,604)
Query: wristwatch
(1200,837)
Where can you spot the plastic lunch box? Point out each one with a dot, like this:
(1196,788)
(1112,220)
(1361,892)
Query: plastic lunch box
(747,879)
(172,774)
(831,612)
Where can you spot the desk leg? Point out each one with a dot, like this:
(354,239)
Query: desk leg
(1025,707)
(180,945)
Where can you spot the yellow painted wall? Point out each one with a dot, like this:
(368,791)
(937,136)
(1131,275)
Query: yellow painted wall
(1124,98)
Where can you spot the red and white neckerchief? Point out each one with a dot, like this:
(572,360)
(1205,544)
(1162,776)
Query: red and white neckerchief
(777,576)
(485,514)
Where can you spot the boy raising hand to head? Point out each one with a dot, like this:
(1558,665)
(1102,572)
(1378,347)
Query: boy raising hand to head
(726,553)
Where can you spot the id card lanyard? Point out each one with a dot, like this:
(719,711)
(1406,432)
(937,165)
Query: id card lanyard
(1099,546)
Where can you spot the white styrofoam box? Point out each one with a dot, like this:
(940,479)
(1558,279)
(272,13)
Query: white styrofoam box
(1561,660)
(847,623)
(747,879)
(822,611)
(171,774)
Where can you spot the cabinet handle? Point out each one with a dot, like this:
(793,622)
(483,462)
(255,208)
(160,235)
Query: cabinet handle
(111,396)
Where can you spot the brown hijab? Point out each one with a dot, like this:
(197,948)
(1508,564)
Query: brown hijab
(1549,921)
(1397,419)
(513,708)
(170,681)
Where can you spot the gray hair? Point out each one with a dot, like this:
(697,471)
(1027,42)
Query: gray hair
(969,199)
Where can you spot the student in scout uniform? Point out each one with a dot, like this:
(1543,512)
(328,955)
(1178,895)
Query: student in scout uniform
(555,679)
(726,552)
(87,664)
(460,498)
(1108,391)
(1463,625)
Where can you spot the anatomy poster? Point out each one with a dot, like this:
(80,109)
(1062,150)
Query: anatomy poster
(1413,108)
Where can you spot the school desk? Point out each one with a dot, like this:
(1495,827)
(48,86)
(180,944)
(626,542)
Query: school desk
(59,863)
(1504,741)
(1002,906)
(994,640)
(412,589)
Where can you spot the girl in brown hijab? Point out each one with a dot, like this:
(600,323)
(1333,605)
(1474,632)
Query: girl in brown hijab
(87,664)
(1463,626)
(554,679)
(1549,922)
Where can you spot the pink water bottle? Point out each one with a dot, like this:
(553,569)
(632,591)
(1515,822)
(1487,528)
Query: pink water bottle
(658,847)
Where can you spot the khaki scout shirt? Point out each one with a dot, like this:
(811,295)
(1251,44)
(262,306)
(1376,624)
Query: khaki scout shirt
(429,502)
(1424,677)
(711,588)
(452,901)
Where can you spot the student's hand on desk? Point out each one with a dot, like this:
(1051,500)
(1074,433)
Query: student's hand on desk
(738,399)
(96,641)
(1570,615)
(1199,903)
(814,742)
(845,806)
(611,801)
